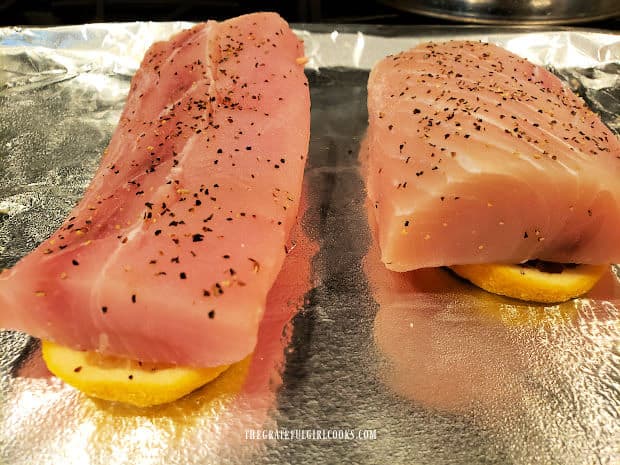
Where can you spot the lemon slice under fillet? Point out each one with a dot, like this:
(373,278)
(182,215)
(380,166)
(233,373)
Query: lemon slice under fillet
(122,380)
(532,284)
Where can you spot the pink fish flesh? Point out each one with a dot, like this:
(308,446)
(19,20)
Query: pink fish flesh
(171,252)
(476,155)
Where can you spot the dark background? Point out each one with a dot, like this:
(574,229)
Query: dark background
(56,12)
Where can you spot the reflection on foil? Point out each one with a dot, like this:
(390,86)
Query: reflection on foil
(528,374)
(71,428)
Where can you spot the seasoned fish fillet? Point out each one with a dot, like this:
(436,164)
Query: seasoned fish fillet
(171,252)
(476,155)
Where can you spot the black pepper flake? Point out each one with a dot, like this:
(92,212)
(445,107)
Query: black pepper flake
(157,232)
(525,235)
(417,111)
(406,223)
(133,298)
(255,265)
(104,309)
(182,275)
(130,377)
(212,314)
(206,293)
(75,262)
(77,369)
(197,237)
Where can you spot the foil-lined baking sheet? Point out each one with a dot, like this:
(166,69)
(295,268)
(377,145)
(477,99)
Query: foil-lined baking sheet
(415,368)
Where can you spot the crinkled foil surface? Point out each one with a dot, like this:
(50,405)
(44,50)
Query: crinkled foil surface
(444,373)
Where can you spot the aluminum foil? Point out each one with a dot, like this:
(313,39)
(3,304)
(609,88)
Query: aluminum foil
(441,372)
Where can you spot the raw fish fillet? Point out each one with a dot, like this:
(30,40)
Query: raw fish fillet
(171,252)
(476,155)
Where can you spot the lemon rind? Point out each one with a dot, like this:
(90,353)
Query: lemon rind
(130,384)
(531,284)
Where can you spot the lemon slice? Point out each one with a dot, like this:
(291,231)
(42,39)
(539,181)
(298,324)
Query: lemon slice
(531,284)
(128,381)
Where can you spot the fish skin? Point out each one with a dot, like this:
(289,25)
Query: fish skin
(171,252)
(475,155)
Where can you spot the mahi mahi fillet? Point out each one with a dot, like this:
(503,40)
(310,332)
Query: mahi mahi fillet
(478,156)
(171,252)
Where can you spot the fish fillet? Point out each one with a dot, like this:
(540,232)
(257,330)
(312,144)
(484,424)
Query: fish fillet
(171,252)
(476,155)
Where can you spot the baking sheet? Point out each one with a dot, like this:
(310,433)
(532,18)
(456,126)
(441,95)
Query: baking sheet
(426,369)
